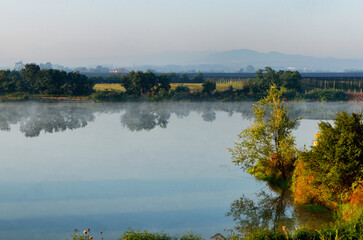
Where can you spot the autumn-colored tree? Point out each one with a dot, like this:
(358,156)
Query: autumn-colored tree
(332,170)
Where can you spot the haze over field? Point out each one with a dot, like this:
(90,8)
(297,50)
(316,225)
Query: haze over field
(158,32)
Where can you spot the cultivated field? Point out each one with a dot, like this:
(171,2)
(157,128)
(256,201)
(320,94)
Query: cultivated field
(194,87)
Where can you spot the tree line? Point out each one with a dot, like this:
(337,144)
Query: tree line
(148,83)
(31,79)
(173,77)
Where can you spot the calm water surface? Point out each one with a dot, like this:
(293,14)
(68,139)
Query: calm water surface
(107,167)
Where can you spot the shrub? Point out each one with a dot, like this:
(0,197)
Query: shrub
(108,96)
(333,165)
(209,87)
(181,89)
(325,95)
(131,234)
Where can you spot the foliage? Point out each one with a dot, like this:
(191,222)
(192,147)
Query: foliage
(131,234)
(332,170)
(138,83)
(145,83)
(182,89)
(163,83)
(198,78)
(32,79)
(190,236)
(267,147)
(209,87)
(325,95)
(108,96)
(267,77)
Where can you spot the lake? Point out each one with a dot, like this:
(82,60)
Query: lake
(155,166)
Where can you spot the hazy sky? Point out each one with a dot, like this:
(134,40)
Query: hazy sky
(69,30)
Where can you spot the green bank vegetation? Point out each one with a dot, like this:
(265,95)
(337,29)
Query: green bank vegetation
(153,87)
(32,82)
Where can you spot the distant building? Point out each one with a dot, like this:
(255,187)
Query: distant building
(119,70)
(291,68)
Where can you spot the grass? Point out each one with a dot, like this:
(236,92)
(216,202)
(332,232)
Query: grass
(109,86)
(194,87)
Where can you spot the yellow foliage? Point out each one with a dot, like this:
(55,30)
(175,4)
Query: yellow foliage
(305,190)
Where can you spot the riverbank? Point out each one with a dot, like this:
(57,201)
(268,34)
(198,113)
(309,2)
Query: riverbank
(115,93)
(349,230)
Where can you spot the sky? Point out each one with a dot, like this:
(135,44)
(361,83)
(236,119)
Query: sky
(78,32)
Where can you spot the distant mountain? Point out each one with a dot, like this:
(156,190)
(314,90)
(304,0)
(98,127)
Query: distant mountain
(242,57)
(234,60)
(222,61)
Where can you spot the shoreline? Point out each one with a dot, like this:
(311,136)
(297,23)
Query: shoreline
(353,97)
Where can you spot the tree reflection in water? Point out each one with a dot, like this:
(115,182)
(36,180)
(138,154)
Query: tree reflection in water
(55,120)
(137,119)
(35,117)
(269,211)
(275,210)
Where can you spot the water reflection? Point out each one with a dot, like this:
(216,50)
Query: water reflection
(55,117)
(268,211)
(274,210)
(137,118)
(34,118)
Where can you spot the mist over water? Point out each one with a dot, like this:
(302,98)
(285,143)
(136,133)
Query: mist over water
(155,166)
(34,117)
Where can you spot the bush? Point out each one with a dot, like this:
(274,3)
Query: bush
(131,234)
(181,89)
(328,172)
(291,94)
(325,95)
(108,96)
(209,87)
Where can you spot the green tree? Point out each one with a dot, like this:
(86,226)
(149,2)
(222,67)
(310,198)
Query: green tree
(163,82)
(265,78)
(78,84)
(139,83)
(334,164)
(9,81)
(267,148)
(29,75)
(209,87)
(149,82)
(184,78)
(290,80)
(128,83)
(198,78)
(182,89)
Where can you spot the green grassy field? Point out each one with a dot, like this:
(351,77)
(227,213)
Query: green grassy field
(194,87)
